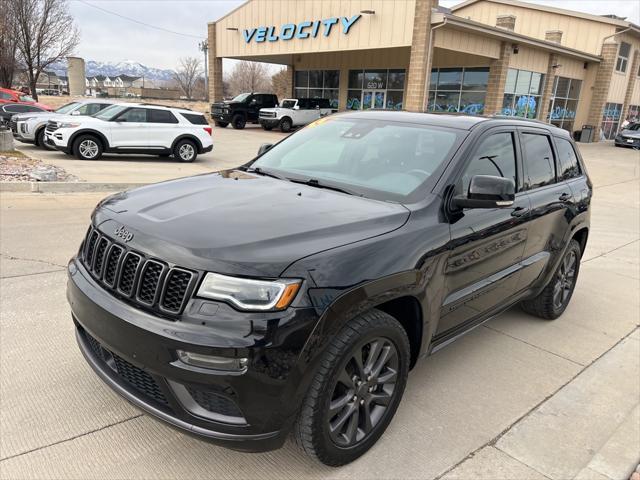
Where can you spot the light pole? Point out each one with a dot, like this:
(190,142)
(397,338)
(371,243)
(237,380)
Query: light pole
(204,47)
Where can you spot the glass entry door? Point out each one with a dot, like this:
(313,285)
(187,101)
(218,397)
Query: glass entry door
(373,99)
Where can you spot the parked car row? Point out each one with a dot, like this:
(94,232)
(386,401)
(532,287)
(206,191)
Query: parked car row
(89,128)
(264,108)
(14,96)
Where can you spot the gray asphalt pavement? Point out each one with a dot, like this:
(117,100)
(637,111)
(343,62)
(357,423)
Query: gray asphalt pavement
(516,398)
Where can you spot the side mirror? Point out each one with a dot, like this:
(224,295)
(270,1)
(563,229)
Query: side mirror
(297,107)
(253,101)
(264,147)
(75,112)
(487,191)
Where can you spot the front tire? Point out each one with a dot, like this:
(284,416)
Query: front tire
(285,125)
(87,147)
(238,122)
(356,389)
(185,151)
(555,297)
(41,140)
(268,128)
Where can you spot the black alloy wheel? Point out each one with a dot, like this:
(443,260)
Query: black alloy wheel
(363,391)
(565,279)
(556,295)
(355,390)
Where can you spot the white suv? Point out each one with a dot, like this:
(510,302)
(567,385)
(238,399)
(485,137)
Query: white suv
(133,128)
(29,127)
(294,112)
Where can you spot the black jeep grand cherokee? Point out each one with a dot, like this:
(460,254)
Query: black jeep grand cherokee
(296,293)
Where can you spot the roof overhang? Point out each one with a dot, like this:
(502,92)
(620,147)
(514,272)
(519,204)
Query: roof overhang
(459,23)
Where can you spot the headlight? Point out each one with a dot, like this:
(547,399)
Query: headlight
(68,125)
(248,294)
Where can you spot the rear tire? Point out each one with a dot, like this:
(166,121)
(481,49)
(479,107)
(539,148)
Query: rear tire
(555,297)
(268,128)
(87,147)
(350,403)
(238,122)
(185,151)
(221,124)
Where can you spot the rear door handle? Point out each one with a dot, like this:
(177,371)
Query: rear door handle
(565,197)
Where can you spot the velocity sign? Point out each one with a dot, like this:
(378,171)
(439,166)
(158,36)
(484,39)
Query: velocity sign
(306,29)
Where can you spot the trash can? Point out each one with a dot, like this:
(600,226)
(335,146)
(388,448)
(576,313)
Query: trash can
(586,135)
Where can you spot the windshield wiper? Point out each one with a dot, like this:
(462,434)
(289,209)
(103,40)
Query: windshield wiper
(266,173)
(313,182)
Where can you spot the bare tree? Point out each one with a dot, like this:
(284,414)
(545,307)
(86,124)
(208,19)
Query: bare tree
(249,77)
(7,44)
(280,84)
(189,70)
(45,33)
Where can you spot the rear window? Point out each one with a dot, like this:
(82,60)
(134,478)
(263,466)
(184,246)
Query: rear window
(160,116)
(195,118)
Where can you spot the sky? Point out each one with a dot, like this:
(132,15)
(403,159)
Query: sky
(109,38)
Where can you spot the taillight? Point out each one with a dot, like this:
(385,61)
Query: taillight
(208,130)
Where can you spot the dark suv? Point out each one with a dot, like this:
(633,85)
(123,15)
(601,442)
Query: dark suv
(242,109)
(296,292)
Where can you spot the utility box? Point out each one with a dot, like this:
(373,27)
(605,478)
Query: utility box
(586,135)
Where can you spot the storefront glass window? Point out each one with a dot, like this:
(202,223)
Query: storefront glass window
(317,84)
(377,89)
(522,93)
(611,119)
(458,90)
(564,102)
(633,115)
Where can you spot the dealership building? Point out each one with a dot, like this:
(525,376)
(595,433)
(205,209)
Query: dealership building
(480,57)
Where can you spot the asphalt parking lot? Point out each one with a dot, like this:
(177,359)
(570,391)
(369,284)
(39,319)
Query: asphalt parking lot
(230,149)
(516,398)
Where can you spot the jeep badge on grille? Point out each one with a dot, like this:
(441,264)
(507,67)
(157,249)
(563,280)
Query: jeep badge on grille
(123,233)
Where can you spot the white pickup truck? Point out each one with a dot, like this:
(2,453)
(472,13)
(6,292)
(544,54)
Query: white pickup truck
(294,112)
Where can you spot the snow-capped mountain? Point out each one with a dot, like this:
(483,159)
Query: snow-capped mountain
(128,67)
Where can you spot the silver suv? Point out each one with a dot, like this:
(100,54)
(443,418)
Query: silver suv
(30,127)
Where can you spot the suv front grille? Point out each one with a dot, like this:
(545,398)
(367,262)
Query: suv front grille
(145,282)
(268,114)
(52,126)
(214,402)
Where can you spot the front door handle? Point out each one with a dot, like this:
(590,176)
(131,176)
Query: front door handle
(565,197)
(519,212)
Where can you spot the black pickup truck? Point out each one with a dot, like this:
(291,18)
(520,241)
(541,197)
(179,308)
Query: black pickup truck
(242,109)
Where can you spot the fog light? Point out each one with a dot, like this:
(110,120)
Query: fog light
(212,362)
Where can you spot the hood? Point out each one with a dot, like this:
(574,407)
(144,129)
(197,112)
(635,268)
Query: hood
(631,133)
(226,103)
(82,119)
(40,115)
(243,224)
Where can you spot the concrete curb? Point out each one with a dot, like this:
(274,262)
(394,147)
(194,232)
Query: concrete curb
(66,187)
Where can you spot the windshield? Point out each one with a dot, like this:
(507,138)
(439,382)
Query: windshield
(288,103)
(373,158)
(26,98)
(241,98)
(110,112)
(67,108)
(634,127)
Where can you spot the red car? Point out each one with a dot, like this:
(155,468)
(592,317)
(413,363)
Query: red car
(13,96)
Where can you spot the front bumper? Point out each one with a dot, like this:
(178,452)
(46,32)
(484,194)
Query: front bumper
(269,122)
(134,352)
(627,142)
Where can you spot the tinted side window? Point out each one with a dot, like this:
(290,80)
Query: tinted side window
(102,106)
(538,157)
(567,160)
(268,101)
(195,118)
(161,116)
(495,156)
(133,115)
(89,109)
(6,96)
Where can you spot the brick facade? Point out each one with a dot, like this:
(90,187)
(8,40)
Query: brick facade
(290,73)
(601,86)
(633,78)
(215,67)
(420,59)
(497,80)
(547,89)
